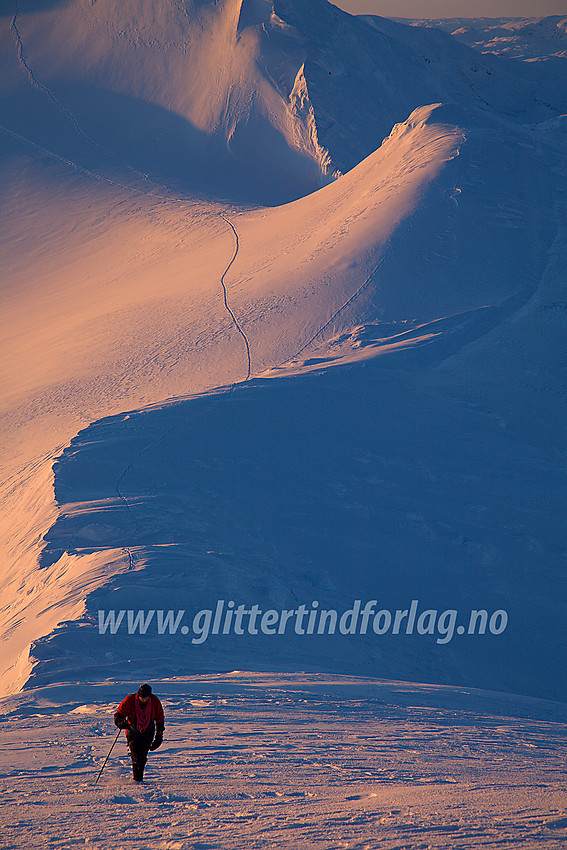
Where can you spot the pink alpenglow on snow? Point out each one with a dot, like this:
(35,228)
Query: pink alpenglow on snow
(281,319)
(281,389)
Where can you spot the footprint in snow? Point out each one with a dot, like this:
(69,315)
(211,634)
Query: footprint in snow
(117,798)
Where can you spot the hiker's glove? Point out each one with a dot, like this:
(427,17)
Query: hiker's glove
(121,721)
(157,741)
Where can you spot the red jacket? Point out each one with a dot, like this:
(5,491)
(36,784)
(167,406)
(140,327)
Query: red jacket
(127,709)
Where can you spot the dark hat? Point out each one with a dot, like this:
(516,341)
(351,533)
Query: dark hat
(144,691)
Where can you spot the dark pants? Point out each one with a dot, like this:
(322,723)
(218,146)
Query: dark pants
(139,744)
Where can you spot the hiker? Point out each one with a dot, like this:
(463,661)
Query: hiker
(141,714)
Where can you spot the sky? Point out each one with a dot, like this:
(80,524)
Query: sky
(454,8)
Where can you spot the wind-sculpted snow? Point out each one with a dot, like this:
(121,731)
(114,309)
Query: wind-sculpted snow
(362,482)
(320,261)
(191,103)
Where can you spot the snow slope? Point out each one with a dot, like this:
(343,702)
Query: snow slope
(290,761)
(355,230)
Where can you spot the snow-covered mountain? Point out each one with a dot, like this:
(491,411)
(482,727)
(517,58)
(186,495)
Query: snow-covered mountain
(543,39)
(283,323)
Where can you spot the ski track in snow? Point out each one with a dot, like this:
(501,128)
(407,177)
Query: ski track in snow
(33,79)
(397,237)
(290,761)
(132,519)
(225,295)
(35,82)
(145,193)
(31,75)
(225,396)
(128,501)
(88,172)
(393,242)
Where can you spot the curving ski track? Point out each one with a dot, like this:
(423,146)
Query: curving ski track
(225,295)
(132,519)
(36,83)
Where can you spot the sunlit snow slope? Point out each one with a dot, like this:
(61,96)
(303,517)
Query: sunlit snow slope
(356,229)
(289,760)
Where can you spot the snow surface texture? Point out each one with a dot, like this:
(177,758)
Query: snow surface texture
(283,300)
(293,761)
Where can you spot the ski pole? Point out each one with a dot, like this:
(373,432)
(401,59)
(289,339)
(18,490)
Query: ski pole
(108,756)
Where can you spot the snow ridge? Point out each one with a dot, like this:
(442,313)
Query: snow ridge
(302,108)
(121,304)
